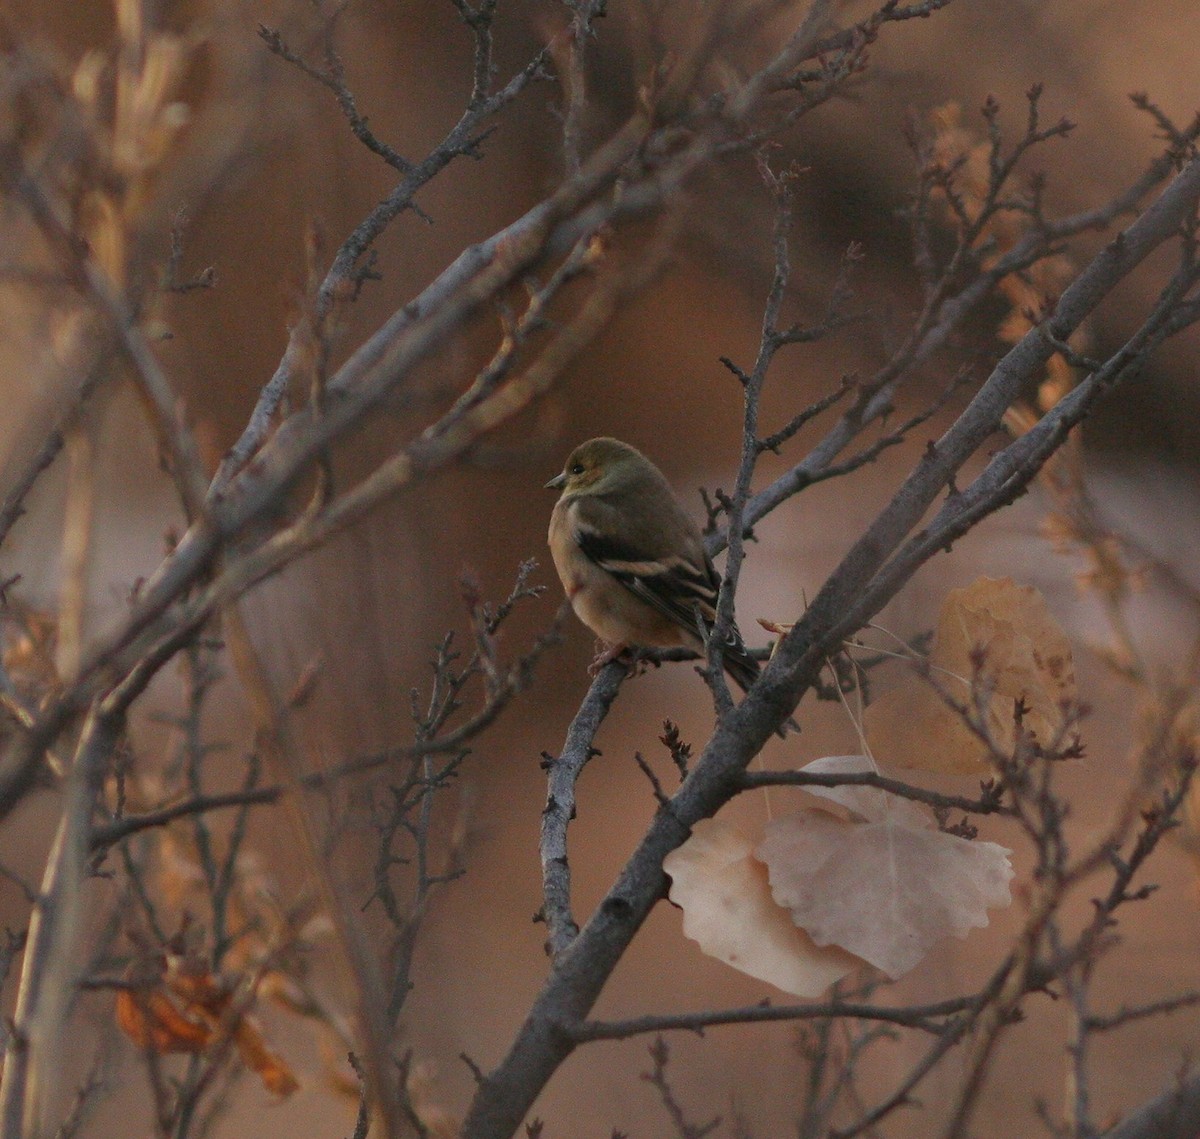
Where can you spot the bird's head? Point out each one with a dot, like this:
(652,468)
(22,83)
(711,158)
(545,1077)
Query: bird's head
(599,466)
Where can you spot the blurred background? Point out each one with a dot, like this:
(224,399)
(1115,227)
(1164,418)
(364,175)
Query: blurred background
(266,155)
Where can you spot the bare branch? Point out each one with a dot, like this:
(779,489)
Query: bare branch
(929,1018)
(564,772)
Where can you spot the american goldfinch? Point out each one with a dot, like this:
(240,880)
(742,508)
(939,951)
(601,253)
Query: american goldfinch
(631,560)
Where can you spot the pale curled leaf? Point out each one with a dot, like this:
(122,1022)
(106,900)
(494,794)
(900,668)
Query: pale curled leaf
(728,909)
(1025,656)
(885,891)
(869,803)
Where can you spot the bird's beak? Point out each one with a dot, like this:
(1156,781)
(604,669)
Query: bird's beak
(558,482)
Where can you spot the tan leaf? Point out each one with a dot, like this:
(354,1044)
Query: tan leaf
(1026,656)
(883,890)
(911,726)
(437,1121)
(727,908)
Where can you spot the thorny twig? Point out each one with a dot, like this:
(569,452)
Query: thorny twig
(657,1078)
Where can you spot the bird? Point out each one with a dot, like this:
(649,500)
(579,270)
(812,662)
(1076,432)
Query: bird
(632,561)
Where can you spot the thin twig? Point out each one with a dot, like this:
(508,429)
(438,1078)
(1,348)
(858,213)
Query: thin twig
(928,1018)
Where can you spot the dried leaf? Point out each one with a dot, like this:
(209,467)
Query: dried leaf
(968,155)
(192,982)
(276,1076)
(437,1121)
(911,726)
(869,803)
(152,1022)
(185,1008)
(885,890)
(728,909)
(1026,656)
(206,994)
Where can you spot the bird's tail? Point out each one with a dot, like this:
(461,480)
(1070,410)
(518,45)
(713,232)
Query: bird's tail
(745,670)
(739,663)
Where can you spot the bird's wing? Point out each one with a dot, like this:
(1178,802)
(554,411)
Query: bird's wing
(672,584)
(680,586)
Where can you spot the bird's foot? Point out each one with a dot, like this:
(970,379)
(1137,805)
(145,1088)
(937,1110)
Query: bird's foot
(627,655)
(605,654)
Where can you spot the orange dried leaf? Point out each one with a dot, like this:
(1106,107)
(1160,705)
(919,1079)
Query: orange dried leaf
(728,909)
(151,1018)
(276,1076)
(198,988)
(210,996)
(152,1021)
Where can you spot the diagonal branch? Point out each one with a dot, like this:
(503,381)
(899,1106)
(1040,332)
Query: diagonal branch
(844,604)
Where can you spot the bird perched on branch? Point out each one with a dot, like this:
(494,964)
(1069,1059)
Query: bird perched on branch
(632,560)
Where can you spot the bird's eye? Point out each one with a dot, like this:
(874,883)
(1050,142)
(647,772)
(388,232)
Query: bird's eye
(577,469)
